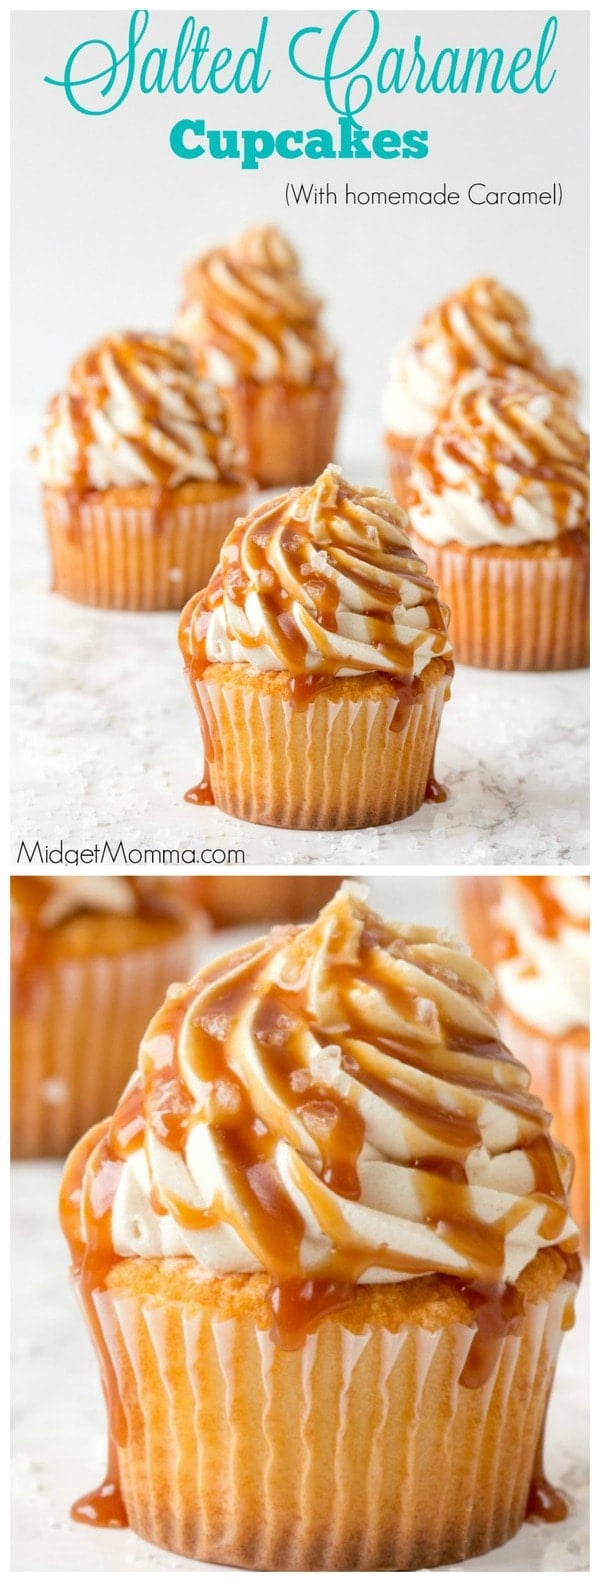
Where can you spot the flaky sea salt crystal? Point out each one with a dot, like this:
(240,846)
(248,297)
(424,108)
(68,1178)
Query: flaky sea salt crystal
(216,1025)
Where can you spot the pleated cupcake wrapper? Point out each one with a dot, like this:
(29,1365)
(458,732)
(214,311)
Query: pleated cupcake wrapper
(519,613)
(75,1031)
(560,1074)
(354,1452)
(399,455)
(288,431)
(332,765)
(135,557)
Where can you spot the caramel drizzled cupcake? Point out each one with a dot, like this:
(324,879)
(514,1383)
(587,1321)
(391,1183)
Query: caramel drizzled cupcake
(324,1245)
(476,900)
(141,479)
(542,969)
(255,327)
(89,960)
(319,663)
(483,327)
(499,504)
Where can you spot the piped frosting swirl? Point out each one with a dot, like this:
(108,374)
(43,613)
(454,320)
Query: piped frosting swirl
(482,327)
(507,464)
(135,412)
(249,314)
(321,581)
(332,1103)
(543,966)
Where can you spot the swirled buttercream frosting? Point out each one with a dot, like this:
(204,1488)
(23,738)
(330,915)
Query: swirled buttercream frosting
(543,970)
(507,464)
(249,314)
(481,327)
(331,1103)
(321,581)
(135,412)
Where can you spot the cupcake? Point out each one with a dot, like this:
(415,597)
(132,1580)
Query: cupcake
(476,899)
(319,663)
(141,479)
(90,958)
(542,969)
(255,328)
(326,1256)
(276,898)
(482,327)
(499,505)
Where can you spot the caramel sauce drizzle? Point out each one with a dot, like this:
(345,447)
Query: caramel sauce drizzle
(498,336)
(148,367)
(250,1106)
(545,912)
(250,292)
(471,439)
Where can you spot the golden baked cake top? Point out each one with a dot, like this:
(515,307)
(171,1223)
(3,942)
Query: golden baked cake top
(136,412)
(506,464)
(483,326)
(322,581)
(250,315)
(331,1104)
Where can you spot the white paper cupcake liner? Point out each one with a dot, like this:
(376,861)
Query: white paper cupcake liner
(332,765)
(76,1026)
(521,612)
(357,1451)
(136,557)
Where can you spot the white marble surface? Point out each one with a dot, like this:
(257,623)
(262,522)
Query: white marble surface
(58,1439)
(105,741)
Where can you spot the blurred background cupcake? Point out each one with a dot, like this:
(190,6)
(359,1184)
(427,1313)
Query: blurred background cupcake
(256,898)
(141,479)
(319,663)
(255,328)
(482,327)
(535,932)
(90,960)
(498,499)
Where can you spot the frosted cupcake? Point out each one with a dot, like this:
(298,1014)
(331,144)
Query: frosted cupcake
(483,327)
(542,969)
(141,480)
(255,327)
(499,506)
(324,1246)
(319,663)
(90,958)
(476,900)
